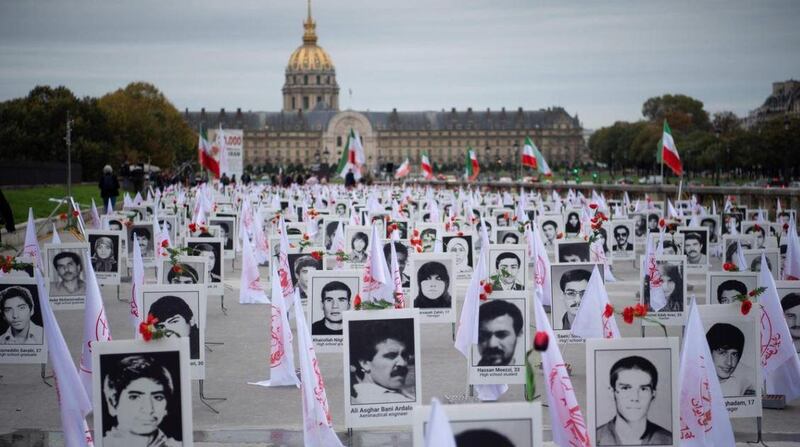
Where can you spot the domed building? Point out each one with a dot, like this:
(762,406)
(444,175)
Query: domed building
(310,129)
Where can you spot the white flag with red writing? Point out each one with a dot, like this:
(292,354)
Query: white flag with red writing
(779,360)
(541,263)
(137,282)
(377,278)
(251,290)
(595,317)
(704,418)
(95,327)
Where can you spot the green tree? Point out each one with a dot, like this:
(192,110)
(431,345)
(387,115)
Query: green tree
(683,113)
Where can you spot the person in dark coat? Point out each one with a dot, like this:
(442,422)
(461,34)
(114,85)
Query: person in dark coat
(6,214)
(109,187)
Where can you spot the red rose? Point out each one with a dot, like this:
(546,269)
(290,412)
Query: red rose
(415,232)
(483,297)
(316,255)
(357,302)
(193,227)
(560,235)
(662,223)
(639,310)
(730,267)
(76,213)
(419,248)
(540,341)
(593,206)
(627,315)
(746,306)
(177,268)
(487,288)
(164,243)
(609,311)
(145,332)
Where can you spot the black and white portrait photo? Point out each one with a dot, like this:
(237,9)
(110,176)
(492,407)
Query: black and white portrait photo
(550,226)
(508,263)
(723,287)
(181,311)
(357,243)
(105,249)
(170,224)
(433,286)
(461,248)
(632,391)
(639,225)
(142,393)
(572,222)
(66,274)
(569,282)
(623,241)
(773,260)
(382,355)
(713,225)
(227,232)
(329,227)
(508,235)
(734,342)
(21,328)
(499,356)
(188,270)
(789,294)
(668,275)
(507,424)
(145,235)
(732,223)
(211,248)
(673,242)
(332,294)
(401,250)
(572,251)
(695,247)
(428,234)
(301,265)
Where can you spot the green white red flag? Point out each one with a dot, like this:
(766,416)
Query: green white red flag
(426,166)
(205,153)
(403,170)
(353,157)
(669,152)
(472,168)
(529,150)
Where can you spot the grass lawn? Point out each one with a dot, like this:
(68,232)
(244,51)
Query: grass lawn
(37,197)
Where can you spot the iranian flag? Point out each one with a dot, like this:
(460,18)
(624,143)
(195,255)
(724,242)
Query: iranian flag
(403,170)
(353,157)
(472,168)
(425,165)
(539,163)
(205,153)
(669,152)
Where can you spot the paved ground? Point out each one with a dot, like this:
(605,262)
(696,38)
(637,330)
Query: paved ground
(264,417)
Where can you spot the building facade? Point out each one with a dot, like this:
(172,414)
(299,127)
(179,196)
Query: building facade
(311,129)
(783,103)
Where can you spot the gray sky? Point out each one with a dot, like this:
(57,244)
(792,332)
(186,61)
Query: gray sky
(599,58)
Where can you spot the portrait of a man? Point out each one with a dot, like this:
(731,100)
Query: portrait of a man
(633,384)
(341,210)
(640,226)
(224,233)
(428,237)
(711,224)
(500,328)
(508,267)
(401,251)
(726,343)
(728,290)
(381,361)
(550,231)
(694,246)
(301,266)
(183,273)
(573,251)
(177,318)
(790,304)
(573,284)
(140,400)
(622,238)
(212,252)
(336,298)
(21,317)
(67,281)
(144,236)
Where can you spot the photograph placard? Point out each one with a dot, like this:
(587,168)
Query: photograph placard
(550,226)
(722,287)
(145,233)
(633,380)
(734,342)
(357,244)
(301,264)
(696,244)
(433,288)
(65,266)
(567,286)
(789,294)
(332,294)
(572,251)
(669,272)
(503,340)
(382,367)
(21,326)
(509,263)
(105,254)
(623,242)
(188,270)
(181,310)
(517,424)
(212,249)
(227,232)
(460,245)
(131,374)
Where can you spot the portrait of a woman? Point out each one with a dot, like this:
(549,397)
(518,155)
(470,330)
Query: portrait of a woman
(103,258)
(460,247)
(433,285)
(573,225)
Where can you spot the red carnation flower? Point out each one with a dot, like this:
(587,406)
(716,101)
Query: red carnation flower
(746,306)
(752,293)
(305,236)
(593,206)
(164,243)
(639,310)
(357,302)
(483,297)
(76,213)
(460,233)
(609,311)
(419,248)
(487,288)
(316,255)
(62,216)
(177,268)
(662,223)
(627,315)
(540,341)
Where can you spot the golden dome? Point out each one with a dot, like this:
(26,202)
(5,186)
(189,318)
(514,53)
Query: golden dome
(310,56)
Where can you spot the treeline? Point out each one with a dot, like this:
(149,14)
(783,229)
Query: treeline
(136,124)
(718,146)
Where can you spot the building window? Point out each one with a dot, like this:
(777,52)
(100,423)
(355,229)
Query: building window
(305,79)
(305,102)
(318,80)
(319,99)
(294,103)
(339,141)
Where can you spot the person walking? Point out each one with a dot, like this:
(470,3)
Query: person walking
(109,187)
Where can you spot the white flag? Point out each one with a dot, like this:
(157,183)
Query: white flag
(377,279)
(31,242)
(568,425)
(738,258)
(541,263)
(438,432)
(650,272)
(251,291)
(704,418)
(281,356)
(779,359)
(591,320)
(96,224)
(338,245)
(56,239)
(137,282)
(397,280)
(467,332)
(95,327)
(791,268)
(317,421)
(73,402)
(284,272)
